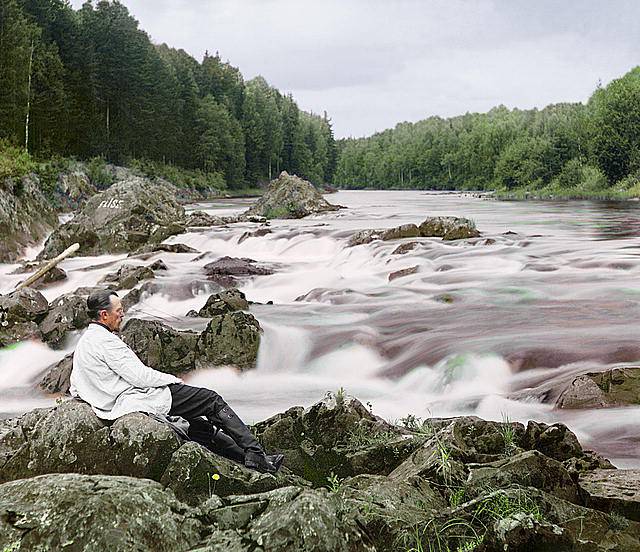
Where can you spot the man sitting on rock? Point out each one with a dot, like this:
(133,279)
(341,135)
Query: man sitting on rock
(109,376)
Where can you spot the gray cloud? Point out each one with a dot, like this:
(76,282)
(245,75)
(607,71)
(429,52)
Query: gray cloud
(374,63)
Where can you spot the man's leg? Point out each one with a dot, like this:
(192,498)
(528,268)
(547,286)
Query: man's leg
(204,432)
(191,402)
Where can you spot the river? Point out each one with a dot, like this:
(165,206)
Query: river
(493,327)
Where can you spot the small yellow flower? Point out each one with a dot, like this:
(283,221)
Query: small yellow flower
(215,477)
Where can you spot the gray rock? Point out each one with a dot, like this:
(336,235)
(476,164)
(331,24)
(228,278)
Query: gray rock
(55,274)
(555,441)
(289,196)
(74,188)
(448,228)
(26,216)
(200,219)
(160,346)
(126,277)
(230,300)
(20,313)
(89,513)
(67,313)
(402,273)
(56,379)
(527,469)
(227,271)
(613,491)
(190,470)
(614,387)
(71,439)
(255,234)
(336,435)
(404,248)
(131,213)
(230,339)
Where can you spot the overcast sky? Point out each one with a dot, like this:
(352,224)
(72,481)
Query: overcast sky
(373,63)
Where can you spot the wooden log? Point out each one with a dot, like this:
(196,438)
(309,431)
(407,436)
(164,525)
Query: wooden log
(46,268)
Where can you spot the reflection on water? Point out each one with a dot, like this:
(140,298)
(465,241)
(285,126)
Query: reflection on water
(485,327)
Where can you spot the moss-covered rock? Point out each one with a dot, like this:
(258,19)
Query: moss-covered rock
(89,513)
(160,346)
(20,313)
(337,435)
(289,196)
(230,300)
(614,387)
(230,339)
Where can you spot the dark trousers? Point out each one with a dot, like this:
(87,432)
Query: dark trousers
(212,423)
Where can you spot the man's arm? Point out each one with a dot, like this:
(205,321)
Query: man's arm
(124,362)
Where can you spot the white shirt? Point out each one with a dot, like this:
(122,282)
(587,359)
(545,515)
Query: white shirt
(113,380)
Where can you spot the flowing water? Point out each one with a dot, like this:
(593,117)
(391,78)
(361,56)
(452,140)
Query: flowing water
(494,327)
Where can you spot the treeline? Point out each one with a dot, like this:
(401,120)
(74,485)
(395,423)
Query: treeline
(90,83)
(563,149)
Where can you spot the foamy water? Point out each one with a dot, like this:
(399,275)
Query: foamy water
(521,316)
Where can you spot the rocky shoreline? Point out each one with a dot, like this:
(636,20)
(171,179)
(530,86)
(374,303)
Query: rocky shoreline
(351,482)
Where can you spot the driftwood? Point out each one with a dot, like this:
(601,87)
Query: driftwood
(46,268)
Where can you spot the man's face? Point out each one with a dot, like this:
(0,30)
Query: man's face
(112,318)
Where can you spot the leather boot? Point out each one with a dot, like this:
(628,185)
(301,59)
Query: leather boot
(254,456)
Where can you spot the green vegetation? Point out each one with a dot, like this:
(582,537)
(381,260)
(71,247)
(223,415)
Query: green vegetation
(562,151)
(508,434)
(334,483)
(89,84)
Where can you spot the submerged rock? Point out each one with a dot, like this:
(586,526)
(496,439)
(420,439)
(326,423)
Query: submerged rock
(289,196)
(127,277)
(402,273)
(200,219)
(227,271)
(614,387)
(447,228)
(129,214)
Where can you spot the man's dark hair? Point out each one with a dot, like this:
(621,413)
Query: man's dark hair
(99,300)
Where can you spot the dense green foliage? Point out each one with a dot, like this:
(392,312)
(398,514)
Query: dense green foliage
(570,150)
(90,83)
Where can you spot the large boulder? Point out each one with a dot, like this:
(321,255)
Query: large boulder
(338,436)
(289,196)
(448,228)
(26,216)
(71,439)
(20,313)
(131,213)
(231,339)
(160,346)
(91,512)
(614,387)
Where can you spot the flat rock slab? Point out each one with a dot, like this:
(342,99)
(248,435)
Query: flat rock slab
(613,491)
